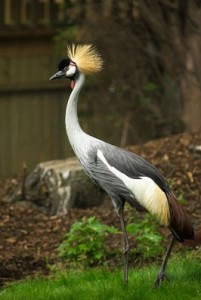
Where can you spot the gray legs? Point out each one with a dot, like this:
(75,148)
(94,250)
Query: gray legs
(161,275)
(126,249)
(119,205)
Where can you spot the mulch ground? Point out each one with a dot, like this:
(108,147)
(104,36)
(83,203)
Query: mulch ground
(30,237)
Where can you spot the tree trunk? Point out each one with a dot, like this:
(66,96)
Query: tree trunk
(58,185)
(190,80)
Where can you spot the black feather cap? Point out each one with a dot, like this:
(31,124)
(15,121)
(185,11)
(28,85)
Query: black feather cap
(64,63)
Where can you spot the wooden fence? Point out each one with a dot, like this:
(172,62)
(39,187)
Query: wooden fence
(31,114)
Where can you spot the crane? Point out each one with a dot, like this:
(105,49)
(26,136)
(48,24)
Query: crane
(124,176)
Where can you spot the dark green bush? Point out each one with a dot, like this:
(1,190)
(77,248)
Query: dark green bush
(84,243)
(149,242)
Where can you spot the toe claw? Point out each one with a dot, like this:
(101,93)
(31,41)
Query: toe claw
(160,278)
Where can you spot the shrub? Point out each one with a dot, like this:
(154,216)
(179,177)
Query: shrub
(148,239)
(84,243)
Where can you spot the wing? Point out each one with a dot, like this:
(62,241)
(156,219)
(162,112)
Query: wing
(135,166)
(128,163)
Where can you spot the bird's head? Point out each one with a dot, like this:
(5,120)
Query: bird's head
(67,69)
(81,58)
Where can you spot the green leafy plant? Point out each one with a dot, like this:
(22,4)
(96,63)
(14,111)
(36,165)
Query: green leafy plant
(148,239)
(84,243)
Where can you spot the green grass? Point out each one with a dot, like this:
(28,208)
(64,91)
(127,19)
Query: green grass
(99,284)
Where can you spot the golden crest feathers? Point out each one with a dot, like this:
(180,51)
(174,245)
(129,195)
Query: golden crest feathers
(86,57)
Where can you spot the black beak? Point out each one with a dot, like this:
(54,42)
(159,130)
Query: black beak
(58,75)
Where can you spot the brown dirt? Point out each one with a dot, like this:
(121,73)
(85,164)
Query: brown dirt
(30,237)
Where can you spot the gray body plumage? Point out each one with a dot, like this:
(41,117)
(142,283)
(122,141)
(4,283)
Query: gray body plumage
(86,148)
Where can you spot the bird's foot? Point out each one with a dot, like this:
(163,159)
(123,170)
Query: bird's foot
(160,278)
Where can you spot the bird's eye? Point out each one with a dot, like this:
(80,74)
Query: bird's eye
(66,69)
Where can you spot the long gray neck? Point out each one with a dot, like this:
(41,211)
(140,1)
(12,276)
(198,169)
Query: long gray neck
(73,129)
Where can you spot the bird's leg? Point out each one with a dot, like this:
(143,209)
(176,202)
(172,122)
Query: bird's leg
(126,249)
(161,275)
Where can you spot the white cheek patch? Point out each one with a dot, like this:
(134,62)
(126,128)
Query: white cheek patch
(71,71)
(145,191)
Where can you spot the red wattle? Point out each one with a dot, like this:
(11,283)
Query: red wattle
(72,84)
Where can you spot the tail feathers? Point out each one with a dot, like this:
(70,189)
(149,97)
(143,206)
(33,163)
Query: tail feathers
(180,224)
